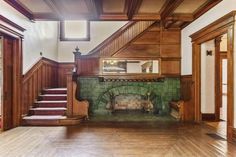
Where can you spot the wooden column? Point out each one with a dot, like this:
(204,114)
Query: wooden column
(218,98)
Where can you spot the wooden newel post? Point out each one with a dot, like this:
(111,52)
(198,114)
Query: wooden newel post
(75,107)
(69,94)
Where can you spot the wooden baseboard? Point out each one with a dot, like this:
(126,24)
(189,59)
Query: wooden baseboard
(208,117)
(234,134)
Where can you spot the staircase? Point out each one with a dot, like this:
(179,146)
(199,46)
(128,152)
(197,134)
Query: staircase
(50,109)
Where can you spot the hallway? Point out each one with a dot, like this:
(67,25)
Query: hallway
(122,139)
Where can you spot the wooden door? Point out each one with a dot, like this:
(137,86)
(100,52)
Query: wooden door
(8,83)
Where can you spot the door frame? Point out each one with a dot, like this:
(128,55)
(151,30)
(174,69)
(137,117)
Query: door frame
(218,28)
(16,32)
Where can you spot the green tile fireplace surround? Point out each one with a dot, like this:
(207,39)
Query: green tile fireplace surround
(98,93)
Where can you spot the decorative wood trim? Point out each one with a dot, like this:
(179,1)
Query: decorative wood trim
(13,24)
(217,78)
(169,8)
(133,7)
(208,117)
(20,8)
(234,135)
(217,28)
(222,22)
(10,32)
(205,8)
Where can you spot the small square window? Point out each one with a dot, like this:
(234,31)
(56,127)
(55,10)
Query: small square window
(74,31)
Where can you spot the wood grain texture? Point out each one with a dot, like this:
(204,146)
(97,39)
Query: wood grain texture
(140,139)
(186,94)
(63,69)
(42,75)
(45,73)
(141,40)
(212,31)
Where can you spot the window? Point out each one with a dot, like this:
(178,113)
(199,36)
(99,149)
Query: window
(74,31)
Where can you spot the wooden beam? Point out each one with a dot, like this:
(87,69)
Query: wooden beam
(91,5)
(146,17)
(181,17)
(54,8)
(132,7)
(205,8)
(169,7)
(99,8)
(21,9)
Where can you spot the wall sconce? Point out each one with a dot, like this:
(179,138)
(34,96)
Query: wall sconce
(209,53)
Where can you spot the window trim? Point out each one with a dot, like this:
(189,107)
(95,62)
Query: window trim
(62,33)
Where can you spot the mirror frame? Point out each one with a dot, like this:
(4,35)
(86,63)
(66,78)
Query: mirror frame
(101,73)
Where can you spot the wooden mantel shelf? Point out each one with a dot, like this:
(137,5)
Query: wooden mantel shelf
(131,78)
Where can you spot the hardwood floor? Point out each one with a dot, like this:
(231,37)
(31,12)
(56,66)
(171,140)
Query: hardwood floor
(220,127)
(120,139)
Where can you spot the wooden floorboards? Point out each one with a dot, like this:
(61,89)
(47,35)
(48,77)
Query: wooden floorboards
(120,139)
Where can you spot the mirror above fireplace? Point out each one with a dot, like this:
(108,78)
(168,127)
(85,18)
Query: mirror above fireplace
(131,66)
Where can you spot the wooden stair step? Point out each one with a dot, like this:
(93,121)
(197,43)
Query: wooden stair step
(55,91)
(59,103)
(53,97)
(51,120)
(47,111)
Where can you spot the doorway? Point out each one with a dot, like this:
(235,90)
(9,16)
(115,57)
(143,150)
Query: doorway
(10,81)
(224,25)
(214,84)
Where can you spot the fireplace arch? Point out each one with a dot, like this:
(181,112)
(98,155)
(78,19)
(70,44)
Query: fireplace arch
(144,92)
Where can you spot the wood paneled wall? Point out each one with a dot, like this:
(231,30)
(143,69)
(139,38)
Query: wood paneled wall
(44,74)
(140,40)
(63,69)
(186,94)
(234,135)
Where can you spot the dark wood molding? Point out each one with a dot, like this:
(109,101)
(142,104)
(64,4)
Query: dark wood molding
(13,24)
(11,32)
(205,8)
(62,33)
(20,8)
(169,8)
(208,117)
(132,7)
(222,22)
(234,135)
(212,31)
(218,96)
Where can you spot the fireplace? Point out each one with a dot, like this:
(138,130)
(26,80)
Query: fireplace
(99,94)
(129,102)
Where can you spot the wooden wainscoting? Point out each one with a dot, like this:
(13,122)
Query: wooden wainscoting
(45,73)
(63,69)
(42,75)
(234,135)
(186,94)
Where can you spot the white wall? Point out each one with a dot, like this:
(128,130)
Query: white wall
(40,36)
(99,31)
(208,78)
(215,13)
